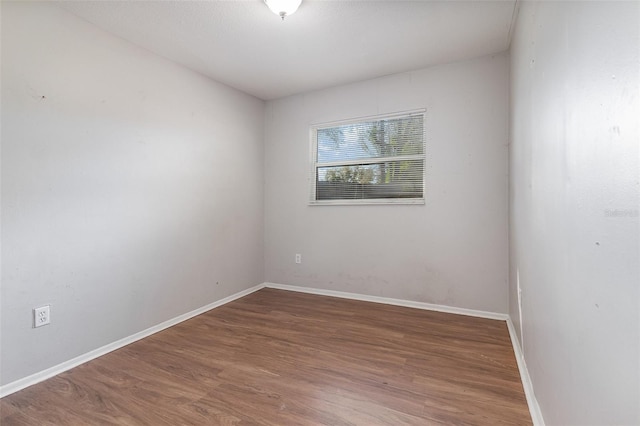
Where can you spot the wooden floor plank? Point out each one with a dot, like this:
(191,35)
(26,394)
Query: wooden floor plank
(277,358)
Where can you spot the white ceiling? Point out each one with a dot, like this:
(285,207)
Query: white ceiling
(325,43)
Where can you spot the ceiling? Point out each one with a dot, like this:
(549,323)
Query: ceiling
(325,43)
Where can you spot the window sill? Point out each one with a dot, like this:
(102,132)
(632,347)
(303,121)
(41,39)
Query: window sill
(412,201)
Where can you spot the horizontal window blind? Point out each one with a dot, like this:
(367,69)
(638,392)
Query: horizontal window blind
(380,158)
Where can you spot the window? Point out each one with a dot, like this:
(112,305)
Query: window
(375,160)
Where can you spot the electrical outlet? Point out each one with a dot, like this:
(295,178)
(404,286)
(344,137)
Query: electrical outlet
(298,258)
(41,316)
(519,290)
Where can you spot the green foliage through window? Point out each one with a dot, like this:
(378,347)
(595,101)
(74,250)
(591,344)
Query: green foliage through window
(380,159)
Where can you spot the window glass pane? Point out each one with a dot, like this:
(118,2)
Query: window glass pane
(391,179)
(372,139)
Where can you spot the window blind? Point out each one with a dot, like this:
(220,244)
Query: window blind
(380,158)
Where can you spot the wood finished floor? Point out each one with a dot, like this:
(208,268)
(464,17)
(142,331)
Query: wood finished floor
(283,358)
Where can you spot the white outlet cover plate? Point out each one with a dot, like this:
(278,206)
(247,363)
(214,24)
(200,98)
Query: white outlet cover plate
(41,316)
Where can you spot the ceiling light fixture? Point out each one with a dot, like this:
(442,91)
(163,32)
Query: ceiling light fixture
(283,8)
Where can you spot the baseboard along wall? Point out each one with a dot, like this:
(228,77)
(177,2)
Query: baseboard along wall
(534,408)
(40,376)
(390,301)
(532,402)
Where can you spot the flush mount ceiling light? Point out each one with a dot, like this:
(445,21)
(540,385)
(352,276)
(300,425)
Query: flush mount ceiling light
(283,8)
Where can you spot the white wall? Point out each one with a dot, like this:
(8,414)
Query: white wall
(451,251)
(131,188)
(574,207)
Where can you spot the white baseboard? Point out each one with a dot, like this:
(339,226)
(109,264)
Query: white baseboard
(534,408)
(389,301)
(40,376)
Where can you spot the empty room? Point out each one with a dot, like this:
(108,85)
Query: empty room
(320,212)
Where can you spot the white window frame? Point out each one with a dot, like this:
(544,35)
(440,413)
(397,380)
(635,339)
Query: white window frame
(313,131)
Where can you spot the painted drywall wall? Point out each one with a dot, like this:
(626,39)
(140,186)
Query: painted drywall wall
(452,250)
(574,207)
(131,188)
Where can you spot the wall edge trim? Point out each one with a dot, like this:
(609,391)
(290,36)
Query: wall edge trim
(527,384)
(40,376)
(390,301)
